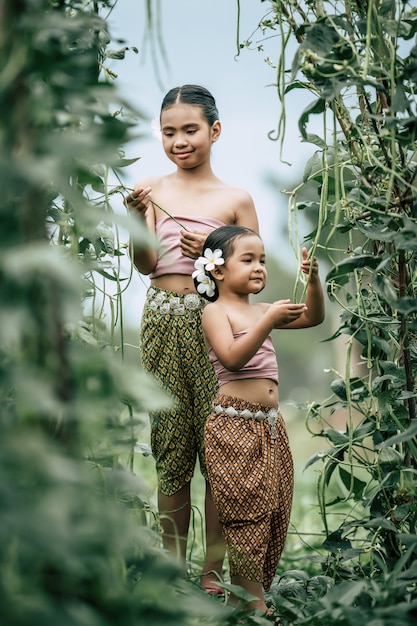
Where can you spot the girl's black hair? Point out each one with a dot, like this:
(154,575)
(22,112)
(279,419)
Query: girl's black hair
(223,239)
(193,94)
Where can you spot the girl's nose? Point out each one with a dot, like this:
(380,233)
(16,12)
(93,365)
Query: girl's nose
(180,140)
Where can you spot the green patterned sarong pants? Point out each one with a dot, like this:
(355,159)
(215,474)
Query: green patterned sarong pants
(173,351)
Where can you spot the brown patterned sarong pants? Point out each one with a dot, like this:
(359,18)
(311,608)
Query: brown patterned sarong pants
(251,477)
(173,351)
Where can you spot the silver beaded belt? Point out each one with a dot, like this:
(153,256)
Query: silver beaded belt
(271,416)
(167,303)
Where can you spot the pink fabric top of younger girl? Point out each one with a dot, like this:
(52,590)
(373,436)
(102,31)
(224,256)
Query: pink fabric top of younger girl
(262,365)
(170,259)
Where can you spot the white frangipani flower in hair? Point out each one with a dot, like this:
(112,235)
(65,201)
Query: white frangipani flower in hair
(211,258)
(199,267)
(203,265)
(205,285)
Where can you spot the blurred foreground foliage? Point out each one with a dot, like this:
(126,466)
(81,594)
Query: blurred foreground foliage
(79,543)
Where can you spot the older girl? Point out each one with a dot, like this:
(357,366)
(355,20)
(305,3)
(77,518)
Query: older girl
(181,208)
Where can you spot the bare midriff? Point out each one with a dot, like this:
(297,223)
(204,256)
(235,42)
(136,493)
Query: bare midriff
(255,390)
(180,283)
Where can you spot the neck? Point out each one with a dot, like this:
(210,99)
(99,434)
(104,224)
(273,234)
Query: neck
(202,172)
(228,297)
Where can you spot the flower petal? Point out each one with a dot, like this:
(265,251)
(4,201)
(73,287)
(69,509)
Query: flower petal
(210,291)
(200,262)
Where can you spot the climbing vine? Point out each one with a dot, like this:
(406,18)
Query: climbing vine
(355,66)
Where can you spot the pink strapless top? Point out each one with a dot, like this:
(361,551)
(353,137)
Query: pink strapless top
(170,259)
(262,365)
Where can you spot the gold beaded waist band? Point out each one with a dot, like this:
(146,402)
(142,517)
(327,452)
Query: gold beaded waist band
(170,303)
(271,416)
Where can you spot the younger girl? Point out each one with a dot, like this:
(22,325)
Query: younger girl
(181,208)
(248,458)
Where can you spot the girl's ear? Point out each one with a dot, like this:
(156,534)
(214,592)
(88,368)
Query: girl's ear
(216,129)
(218,272)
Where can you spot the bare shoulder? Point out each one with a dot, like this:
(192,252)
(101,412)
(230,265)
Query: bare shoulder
(241,204)
(212,313)
(210,310)
(152,181)
(237,194)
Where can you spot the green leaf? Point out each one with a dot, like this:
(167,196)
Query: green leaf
(336,543)
(353,484)
(396,28)
(125,162)
(374,340)
(352,263)
(296,84)
(400,102)
(407,434)
(314,139)
(363,430)
(380,522)
(332,463)
(337,437)
(391,456)
(318,456)
(315,108)
(338,386)
(345,593)
(406,305)
(321,37)
(313,166)
(110,276)
(384,287)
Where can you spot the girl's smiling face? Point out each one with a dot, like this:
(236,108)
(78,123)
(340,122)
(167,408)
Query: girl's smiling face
(186,134)
(244,271)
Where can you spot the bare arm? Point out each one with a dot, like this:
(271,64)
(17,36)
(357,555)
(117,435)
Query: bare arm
(315,311)
(233,352)
(139,204)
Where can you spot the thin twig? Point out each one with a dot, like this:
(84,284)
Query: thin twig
(169,215)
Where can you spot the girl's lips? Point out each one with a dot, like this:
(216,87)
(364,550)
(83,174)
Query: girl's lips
(182,155)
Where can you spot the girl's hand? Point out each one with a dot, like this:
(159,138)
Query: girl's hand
(192,243)
(138,201)
(284,312)
(306,263)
